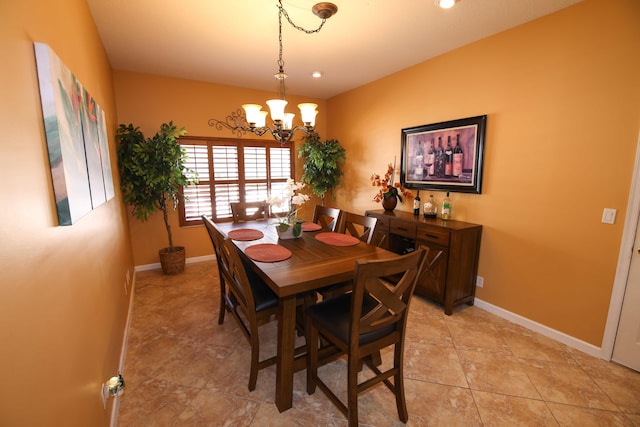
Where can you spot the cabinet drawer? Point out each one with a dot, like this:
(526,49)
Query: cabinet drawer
(382,224)
(403,228)
(436,236)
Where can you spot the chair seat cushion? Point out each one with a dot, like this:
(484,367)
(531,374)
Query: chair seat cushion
(263,296)
(334,315)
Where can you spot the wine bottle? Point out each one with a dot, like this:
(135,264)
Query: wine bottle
(416,204)
(457,158)
(431,159)
(439,169)
(448,158)
(446,208)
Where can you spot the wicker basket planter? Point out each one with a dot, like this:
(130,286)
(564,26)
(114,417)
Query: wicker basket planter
(172,261)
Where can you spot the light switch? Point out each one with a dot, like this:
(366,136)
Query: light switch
(609,216)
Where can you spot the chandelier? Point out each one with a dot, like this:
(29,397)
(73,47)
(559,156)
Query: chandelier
(253,119)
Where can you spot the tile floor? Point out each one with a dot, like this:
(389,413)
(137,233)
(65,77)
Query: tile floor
(469,369)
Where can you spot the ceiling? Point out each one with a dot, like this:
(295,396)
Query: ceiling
(235,42)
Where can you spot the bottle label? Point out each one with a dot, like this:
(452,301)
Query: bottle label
(457,164)
(430,160)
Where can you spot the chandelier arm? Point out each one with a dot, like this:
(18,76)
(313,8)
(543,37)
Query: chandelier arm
(235,122)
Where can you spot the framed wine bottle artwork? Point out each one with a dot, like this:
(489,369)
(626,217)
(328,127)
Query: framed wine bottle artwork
(445,156)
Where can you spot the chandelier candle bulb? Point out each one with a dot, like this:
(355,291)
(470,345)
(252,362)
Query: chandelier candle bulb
(277,109)
(252,112)
(308,113)
(288,121)
(262,119)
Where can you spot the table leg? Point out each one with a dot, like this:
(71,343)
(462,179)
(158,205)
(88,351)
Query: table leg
(286,349)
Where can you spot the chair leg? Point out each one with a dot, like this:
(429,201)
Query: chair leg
(352,391)
(312,356)
(223,304)
(398,382)
(255,360)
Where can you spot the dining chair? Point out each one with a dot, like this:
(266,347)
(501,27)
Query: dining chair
(246,296)
(363,322)
(357,225)
(249,211)
(326,217)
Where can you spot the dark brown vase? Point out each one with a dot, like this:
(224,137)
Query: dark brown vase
(389,203)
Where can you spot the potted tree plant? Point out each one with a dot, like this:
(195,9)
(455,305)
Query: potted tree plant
(322,168)
(151,173)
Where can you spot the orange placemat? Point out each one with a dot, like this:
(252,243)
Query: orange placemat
(311,226)
(245,234)
(267,252)
(337,239)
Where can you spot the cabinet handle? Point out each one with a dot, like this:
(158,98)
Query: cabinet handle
(432,236)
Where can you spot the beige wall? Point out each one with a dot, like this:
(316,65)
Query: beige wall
(147,101)
(63,305)
(562,97)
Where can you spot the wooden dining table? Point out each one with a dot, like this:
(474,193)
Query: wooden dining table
(313,264)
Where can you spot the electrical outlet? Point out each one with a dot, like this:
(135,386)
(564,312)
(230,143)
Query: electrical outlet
(609,216)
(479,281)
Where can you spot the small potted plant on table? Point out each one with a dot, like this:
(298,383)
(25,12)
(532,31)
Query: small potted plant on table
(289,226)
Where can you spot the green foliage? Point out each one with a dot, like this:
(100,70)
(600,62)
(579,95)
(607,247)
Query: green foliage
(322,168)
(152,170)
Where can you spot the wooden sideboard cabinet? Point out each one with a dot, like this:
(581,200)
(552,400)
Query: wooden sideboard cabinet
(454,248)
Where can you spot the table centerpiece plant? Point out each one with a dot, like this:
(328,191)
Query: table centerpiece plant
(291,199)
(389,192)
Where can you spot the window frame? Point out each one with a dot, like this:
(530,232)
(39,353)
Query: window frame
(242,181)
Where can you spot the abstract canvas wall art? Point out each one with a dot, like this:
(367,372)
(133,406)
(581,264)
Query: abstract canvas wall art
(76,139)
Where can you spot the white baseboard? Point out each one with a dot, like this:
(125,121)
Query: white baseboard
(156,265)
(123,353)
(541,329)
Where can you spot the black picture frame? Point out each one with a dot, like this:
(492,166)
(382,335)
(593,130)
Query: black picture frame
(419,170)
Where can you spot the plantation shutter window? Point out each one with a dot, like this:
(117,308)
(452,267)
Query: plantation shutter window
(231,170)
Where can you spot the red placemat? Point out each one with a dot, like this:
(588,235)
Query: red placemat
(267,252)
(311,226)
(245,234)
(337,239)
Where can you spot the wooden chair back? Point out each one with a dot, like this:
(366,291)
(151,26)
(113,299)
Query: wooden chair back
(392,297)
(249,211)
(357,225)
(326,217)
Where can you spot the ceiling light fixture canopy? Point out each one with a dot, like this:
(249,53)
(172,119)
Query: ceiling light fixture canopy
(253,119)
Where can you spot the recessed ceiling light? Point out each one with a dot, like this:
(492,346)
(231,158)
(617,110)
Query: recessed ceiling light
(445,4)
(317,74)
